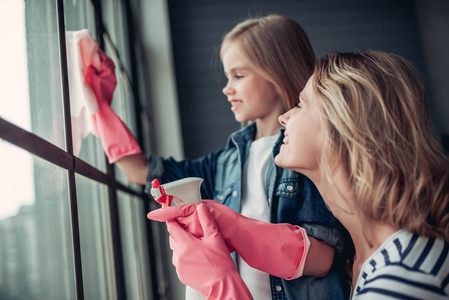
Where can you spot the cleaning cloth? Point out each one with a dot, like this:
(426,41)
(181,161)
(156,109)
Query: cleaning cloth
(82,51)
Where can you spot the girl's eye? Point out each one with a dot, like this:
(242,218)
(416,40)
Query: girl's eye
(238,76)
(298,105)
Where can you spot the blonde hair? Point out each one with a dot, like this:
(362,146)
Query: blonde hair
(375,120)
(279,49)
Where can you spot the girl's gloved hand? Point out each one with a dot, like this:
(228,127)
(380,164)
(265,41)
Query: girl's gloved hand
(116,138)
(202,261)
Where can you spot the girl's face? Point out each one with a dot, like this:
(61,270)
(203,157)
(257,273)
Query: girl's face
(303,139)
(251,96)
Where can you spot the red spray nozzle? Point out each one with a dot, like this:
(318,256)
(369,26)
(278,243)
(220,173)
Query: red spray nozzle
(159,194)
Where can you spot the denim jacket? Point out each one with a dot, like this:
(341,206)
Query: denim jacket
(293,199)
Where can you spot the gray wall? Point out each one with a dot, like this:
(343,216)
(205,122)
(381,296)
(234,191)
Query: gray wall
(197,27)
(433,20)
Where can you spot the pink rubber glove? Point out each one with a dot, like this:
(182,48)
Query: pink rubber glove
(117,139)
(203,262)
(277,249)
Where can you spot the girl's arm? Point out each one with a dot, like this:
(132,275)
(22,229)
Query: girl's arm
(319,258)
(135,167)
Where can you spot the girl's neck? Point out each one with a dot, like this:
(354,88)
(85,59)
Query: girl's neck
(267,127)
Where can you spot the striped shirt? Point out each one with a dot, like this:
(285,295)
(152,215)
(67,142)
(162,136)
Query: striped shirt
(406,266)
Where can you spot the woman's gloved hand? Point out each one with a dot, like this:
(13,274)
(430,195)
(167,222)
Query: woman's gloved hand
(202,261)
(116,138)
(277,249)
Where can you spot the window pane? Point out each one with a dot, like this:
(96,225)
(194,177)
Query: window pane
(96,240)
(134,247)
(123,42)
(30,78)
(36,249)
(79,14)
(114,17)
(108,10)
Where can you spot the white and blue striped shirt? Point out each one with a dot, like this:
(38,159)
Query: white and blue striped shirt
(406,266)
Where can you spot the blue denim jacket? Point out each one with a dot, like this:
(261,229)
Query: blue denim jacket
(293,199)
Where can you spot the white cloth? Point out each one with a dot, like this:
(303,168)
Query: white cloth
(255,205)
(82,51)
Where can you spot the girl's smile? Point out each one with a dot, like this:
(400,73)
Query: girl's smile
(235,104)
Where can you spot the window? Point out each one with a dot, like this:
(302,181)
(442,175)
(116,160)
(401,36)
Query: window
(71,226)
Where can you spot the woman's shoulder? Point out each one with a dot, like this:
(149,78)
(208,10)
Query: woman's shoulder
(408,265)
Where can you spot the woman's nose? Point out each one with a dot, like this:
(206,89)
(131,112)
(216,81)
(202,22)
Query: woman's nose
(284,118)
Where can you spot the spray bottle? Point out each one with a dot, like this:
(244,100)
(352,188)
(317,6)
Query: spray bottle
(183,191)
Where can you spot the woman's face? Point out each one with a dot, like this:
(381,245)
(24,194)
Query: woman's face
(303,139)
(251,96)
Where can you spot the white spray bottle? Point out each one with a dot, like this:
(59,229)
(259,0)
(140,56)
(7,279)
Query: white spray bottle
(183,191)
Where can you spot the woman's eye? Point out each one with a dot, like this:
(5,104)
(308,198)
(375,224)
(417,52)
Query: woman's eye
(298,105)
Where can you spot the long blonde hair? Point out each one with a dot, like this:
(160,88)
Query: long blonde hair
(279,49)
(375,120)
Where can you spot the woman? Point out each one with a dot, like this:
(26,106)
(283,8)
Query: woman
(369,149)
(361,133)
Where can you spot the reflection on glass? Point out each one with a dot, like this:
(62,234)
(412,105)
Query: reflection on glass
(96,240)
(36,249)
(134,246)
(30,79)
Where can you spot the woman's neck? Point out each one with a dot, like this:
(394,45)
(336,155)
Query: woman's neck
(367,242)
(366,236)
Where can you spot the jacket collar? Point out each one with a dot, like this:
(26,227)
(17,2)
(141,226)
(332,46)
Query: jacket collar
(247,133)
(242,136)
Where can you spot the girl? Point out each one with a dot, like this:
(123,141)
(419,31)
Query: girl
(267,62)
(361,132)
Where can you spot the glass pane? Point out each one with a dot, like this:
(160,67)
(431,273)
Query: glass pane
(79,14)
(30,78)
(108,11)
(96,240)
(122,43)
(36,249)
(114,17)
(133,232)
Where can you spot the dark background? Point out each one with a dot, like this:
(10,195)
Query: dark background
(197,27)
